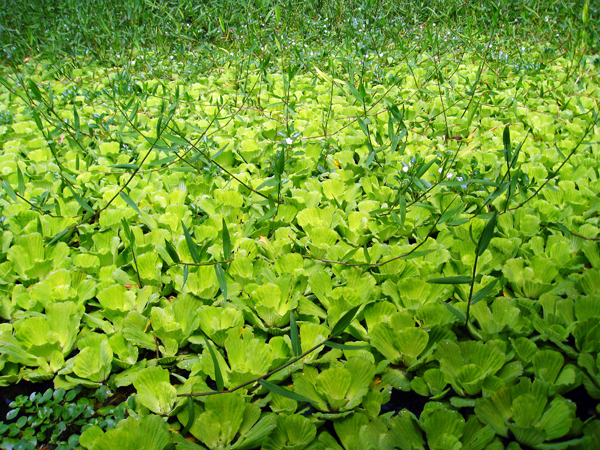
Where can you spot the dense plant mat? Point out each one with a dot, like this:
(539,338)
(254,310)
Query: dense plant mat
(284,253)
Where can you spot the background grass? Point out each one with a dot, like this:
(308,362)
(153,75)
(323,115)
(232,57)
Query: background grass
(101,27)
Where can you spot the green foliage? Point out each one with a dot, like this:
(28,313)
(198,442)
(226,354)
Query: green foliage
(256,220)
(59,418)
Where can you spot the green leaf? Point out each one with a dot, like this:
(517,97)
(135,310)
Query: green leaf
(192,416)
(172,253)
(186,272)
(226,242)
(191,244)
(486,236)
(366,253)
(35,91)
(175,139)
(222,280)
(20,182)
(451,280)
(76,122)
(425,168)
(59,236)
(355,92)
(350,254)
(506,141)
(283,392)
(296,347)
(363,126)
(9,190)
(128,234)
(347,347)
(483,293)
(270,213)
(456,312)
(81,201)
(402,209)
(417,254)
(343,323)
(218,375)
(125,166)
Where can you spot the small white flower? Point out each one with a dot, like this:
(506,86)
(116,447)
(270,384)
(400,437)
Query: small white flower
(459,178)
(440,170)
(288,141)
(449,175)
(405,169)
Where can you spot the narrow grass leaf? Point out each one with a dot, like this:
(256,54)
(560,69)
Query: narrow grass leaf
(346,347)
(127,199)
(226,242)
(363,126)
(506,142)
(402,210)
(175,139)
(172,252)
(35,91)
(270,213)
(425,168)
(350,254)
(221,279)
(296,347)
(355,92)
(59,236)
(125,166)
(455,312)
(283,392)
(186,272)
(20,182)
(9,190)
(483,293)
(76,122)
(128,234)
(366,253)
(39,226)
(191,244)
(218,375)
(451,280)
(191,418)
(486,236)
(343,323)
(418,254)
(82,202)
